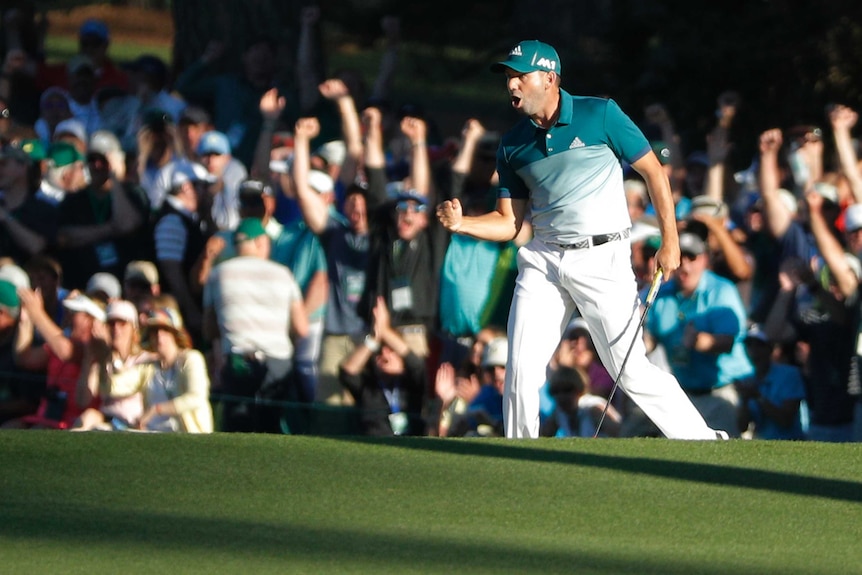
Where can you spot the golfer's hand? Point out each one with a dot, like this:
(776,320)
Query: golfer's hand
(667,260)
(450,215)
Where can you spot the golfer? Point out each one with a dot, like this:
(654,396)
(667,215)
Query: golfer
(563,161)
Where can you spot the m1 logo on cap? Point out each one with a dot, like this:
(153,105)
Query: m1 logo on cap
(546,63)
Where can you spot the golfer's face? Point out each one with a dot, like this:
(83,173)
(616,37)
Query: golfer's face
(527,92)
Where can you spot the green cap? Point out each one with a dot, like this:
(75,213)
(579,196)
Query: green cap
(63,154)
(9,294)
(34,148)
(248,229)
(530,56)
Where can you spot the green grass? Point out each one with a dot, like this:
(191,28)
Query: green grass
(133,503)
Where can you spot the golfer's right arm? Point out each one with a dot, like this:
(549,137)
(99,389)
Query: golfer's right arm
(500,225)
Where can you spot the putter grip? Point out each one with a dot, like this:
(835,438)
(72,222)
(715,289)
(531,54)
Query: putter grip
(653,288)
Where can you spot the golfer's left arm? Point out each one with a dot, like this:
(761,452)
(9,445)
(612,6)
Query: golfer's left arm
(500,225)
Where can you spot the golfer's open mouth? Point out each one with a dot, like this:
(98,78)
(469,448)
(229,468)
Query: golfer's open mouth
(516,101)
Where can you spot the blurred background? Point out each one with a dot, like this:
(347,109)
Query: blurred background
(787,59)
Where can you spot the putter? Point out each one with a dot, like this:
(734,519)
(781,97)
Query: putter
(653,290)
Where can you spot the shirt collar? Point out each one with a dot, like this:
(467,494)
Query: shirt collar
(565,117)
(565,108)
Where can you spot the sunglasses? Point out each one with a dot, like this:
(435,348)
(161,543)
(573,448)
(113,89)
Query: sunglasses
(407,206)
(688,257)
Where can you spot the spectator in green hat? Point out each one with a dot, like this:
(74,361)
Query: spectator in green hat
(65,172)
(100,225)
(20,393)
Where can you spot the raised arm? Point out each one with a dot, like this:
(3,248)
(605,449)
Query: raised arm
(778,217)
(351,130)
(416,131)
(829,246)
(314,209)
(271,106)
(843,119)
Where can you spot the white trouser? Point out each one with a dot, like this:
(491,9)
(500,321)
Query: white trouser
(600,282)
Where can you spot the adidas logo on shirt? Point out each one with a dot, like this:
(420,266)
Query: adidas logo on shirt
(576,143)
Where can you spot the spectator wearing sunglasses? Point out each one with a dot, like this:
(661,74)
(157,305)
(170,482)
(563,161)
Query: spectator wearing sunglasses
(699,318)
(407,247)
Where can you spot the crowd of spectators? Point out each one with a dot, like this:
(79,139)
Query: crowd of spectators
(215,252)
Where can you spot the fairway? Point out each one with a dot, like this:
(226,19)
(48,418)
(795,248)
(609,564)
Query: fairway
(136,503)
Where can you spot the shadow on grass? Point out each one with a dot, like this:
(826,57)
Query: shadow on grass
(722,475)
(146,540)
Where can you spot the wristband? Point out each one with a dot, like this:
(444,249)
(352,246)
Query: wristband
(372,344)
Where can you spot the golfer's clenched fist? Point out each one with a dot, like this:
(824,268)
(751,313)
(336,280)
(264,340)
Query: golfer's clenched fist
(450,214)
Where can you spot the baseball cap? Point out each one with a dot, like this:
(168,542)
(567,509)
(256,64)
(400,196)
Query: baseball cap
(63,153)
(71,126)
(577,326)
(122,310)
(79,63)
(141,271)
(530,56)
(691,243)
(213,142)
(333,152)
(106,283)
(281,166)
(255,187)
(156,119)
(708,206)
(169,319)
(94,27)
(321,182)
(185,171)
(496,352)
(104,142)
(15,275)
(411,195)
(853,217)
(827,190)
(34,148)
(756,333)
(789,200)
(248,229)
(9,294)
(80,302)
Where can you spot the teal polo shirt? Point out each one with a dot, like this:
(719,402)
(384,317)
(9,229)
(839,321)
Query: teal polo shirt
(715,307)
(572,173)
(299,249)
